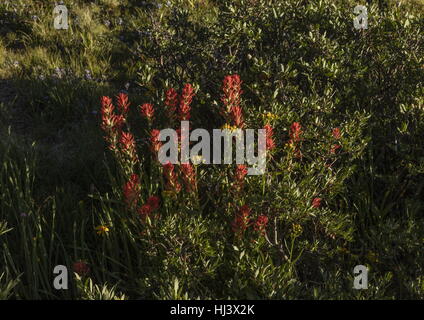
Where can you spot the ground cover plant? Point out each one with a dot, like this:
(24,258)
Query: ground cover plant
(81,184)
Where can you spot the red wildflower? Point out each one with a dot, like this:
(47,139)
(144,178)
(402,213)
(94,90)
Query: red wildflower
(132,190)
(111,123)
(335,147)
(127,141)
(237,116)
(145,209)
(81,268)
(128,146)
(171,102)
(153,202)
(107,106)
(270,143)
(151,205)
(240,174)
(189,176)
(231,86)
(241,220)
(295,132)
(123,104)
(316,202)
(147,111)
(116,122)
(336,133)
(261,223)
(172,183)
(186,98)
(154,141)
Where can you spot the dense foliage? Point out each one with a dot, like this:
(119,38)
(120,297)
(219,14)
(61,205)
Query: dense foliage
(80,184)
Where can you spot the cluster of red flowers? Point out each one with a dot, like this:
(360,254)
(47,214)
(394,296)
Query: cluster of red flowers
(111,123)
(131,190)
(185,101)
(189,176)
(242,221)
(316,202)
(151,205)
(231,99)
(172,183)
(270,143)
(155,144)
(119,141)
(261,223)
(171,103)
(127,143)
(147,111)
(81,268)
(123,104)
(239,176)
(295,137)
(336,135)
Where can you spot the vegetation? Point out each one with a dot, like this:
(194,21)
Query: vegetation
(80,184)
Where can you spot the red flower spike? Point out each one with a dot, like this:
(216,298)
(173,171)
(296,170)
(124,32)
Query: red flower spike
(131,190)
(316,202)
(189,176)
(186,99)
(336,133)
(123,104)
(295,132)
(241,220)
(270,143)
(147,111)
(172,183)
(261,223)
(155,144)
(81,268)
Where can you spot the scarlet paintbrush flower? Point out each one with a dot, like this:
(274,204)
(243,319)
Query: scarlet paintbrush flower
(128,147)
(147,111)
(336,133)
(186,98)
(81,268)
(131,190)
(261,223)
(171,100)
(240,174)
(270,143)
(295,132)
(316,202)
(111,123)
(150,206)
(189,176)
(237,116)
(172,183)
(155,144)
(334,148)
(231,86)
(127,141)
(123,104)
(231,98)
(241,220)
(153,202)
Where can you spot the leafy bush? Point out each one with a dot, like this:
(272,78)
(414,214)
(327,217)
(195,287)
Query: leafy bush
(343,109)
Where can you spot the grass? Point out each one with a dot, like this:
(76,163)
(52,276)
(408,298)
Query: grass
(58,181)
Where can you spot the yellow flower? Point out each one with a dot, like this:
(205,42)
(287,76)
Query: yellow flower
(198,159)
(270,116)
(229,127)
(102,230)
(297,230)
